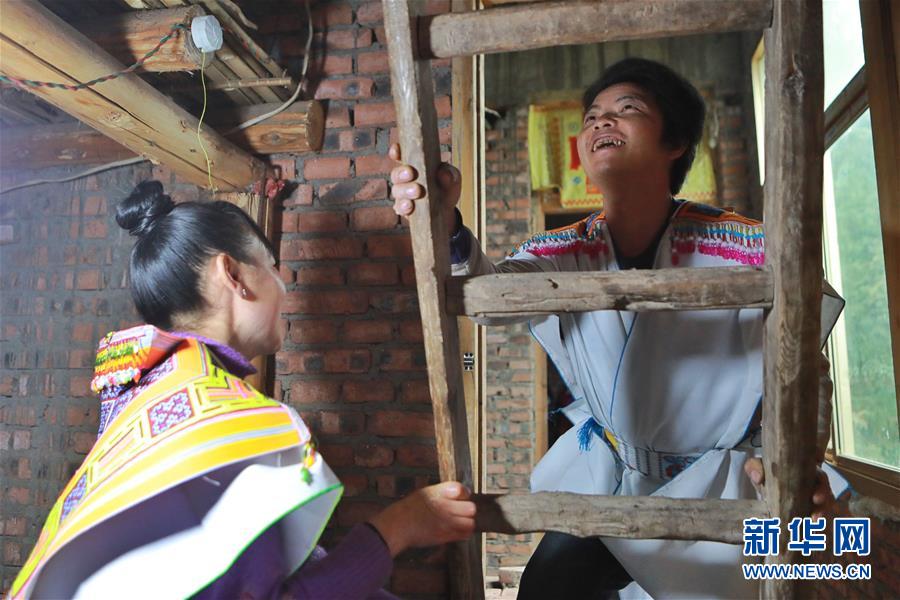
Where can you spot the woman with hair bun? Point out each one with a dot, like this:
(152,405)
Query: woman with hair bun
(198,484)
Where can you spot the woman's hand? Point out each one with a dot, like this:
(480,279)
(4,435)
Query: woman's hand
(405,191)
(429,516)
(824,504)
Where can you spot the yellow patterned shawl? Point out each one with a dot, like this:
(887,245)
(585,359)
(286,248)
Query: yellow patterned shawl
(173,417)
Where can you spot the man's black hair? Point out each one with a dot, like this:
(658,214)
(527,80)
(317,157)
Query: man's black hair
(174,243)
(682,107)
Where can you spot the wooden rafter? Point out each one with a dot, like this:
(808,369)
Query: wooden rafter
(129,36)
(36,44)
(299,128)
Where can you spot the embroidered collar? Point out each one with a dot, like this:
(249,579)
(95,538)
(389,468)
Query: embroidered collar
(233,361)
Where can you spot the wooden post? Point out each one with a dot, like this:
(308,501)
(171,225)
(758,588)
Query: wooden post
(793,218)
(411,81)
(129,36)
(36,44)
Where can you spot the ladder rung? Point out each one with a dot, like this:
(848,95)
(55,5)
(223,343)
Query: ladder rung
(563,23)
(644,517)
(644,290)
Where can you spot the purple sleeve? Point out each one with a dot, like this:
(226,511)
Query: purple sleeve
(356,568)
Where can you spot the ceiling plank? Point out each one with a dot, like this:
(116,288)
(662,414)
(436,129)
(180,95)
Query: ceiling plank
(36,44)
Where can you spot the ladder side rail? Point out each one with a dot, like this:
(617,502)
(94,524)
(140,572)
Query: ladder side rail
(546,24)
(793,219)
(412,85)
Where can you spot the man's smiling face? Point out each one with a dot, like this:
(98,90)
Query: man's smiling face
(621,133)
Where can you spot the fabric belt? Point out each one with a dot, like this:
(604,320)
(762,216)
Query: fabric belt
(659,465)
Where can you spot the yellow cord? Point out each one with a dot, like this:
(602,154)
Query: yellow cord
(200,122)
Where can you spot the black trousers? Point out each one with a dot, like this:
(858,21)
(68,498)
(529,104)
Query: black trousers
(565,566)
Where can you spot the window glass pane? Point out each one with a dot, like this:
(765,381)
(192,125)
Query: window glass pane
(862,364)
(843,45)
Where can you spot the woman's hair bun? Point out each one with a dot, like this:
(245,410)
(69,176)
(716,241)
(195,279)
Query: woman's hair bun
(143,208)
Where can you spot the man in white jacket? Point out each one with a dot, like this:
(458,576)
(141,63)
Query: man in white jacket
(667,403)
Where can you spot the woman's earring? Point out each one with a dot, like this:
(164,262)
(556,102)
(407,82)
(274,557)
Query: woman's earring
(243,292)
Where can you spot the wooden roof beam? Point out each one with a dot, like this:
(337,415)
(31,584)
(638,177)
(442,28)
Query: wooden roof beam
(36,44)
(299,128)
(546,24)
(129,36)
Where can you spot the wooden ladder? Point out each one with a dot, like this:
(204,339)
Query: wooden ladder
(789,286)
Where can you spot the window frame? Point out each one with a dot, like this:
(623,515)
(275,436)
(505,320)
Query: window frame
(875,88)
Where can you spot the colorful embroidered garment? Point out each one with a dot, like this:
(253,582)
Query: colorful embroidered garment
(191,465)
(664,400)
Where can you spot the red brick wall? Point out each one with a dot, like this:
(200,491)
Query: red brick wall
(509,392)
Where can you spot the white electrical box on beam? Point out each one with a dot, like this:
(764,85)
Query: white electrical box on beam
(206,33)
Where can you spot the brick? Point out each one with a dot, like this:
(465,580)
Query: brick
(411,331)
(326,303)
(328,361)
(374,113)
(417,456)
(337,65)
(402,359)
(408,275)
(94,205)
(21,440)
(349,140)
(361,332)
(337,167)
(89,280)
(415,392)
(336,116)
(370,273)
(395,302)
(337,39)
(354,484)
(367,391)
(370,12)
(332,14)
(371,455)
(337,455)
(345,89)
(443,107)
(372,62)
(321,249)
(301,195)
(341,423)
(82,332)
(289,222)
(313,332)
(320,276)
(81,441)
(371,189)
(321,221)
(373,164)
(383,246)
(287,167)
(402,424)
(364,38)
(308,391)
(373,218)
